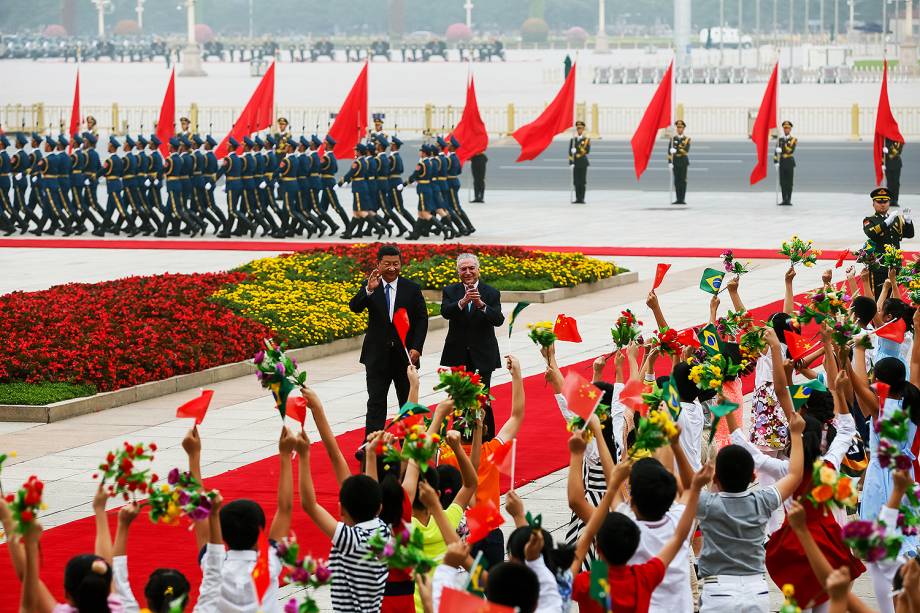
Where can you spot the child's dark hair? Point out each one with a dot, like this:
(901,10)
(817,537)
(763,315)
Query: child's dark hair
(734,468)
(514,585)
(241,521)
(449,481)
(360,497)
(685,387)
(391,500)
(556,559)
(865,309)
(892,371)
(432,478)
(896,308)
(653,488)
(607,424)
(617,539)
(164,587)
(781,323)
(88,582)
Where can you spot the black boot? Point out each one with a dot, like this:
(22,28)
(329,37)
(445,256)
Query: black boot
(469,226)
(417,229)
(333,227)
(351,227)
(399,224)
(225,232)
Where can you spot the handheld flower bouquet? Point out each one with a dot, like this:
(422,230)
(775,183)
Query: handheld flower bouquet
(712,372)
(541,333)
(181,495)
(120,471)
(416,445)
(843,330)
(468,393)
(402,550)
(308,573)
(823,304)
(575,423)
(26,503)
(830,488)
(731,265)
(867,255)
(654,431)
(666,341)
(800,252)
(278,372)
(892,257)
(892,428)
(626,329)
(871,541)
(789,603)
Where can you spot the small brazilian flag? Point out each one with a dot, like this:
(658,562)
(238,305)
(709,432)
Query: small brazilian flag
(816,385)
(520,306)
(408,410)
(671,397)
(800,394)
(599,588)
(280,392)
(719,411)
(712,281)
(709,339)
(477,585)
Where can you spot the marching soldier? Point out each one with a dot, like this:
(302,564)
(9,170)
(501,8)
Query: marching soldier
(78,184)
(387,207)
(112,170)
(92,170)
(579,148)
(304,195)
(784,159)
(453,183)
(884,229)
(679,160)
(478,168)
(892,151)
(359,194)
(316,185)
(20,165)
(64,170)
(395,180)
(173,167)
(209,179)
(328,168)
(442,191)
(8,217)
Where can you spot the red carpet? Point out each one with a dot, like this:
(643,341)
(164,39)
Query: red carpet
(542,450)
(52,242)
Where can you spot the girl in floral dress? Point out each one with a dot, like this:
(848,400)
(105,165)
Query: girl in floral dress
(769,430)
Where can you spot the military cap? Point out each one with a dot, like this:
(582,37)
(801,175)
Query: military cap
(315,140)
(880,193)
(62,141)
(114,141)
(330,141)
(197,140)
(787,124)
(181,119)
(36,136)
(441,142)
(155,140)
(379,117)
(141,140)
(233,142)
(454,142)
(270,140)
(383,141)
(395,140)
(4,140)
(680,123)
(304,141)
(185,141)
(129,141)
(76,139)
(360,148)
(210,140)
(21,139)
(248,141)
(51,141)
(257,141)
(174,141)
(91,138)
(579,124)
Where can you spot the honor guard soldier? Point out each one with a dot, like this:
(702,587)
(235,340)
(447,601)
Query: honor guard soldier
(883,229)
(185,127)
(784,159)
(478,168)
(155,174)
(282,136)
(892,151)
(65,168)
(378,126)
(209,179)
(20,165)
(195,223)
(172,171)
(9,220)
(328,168)
(92,171)
(454,168)
(355,176)
(305,198)
(112,171)
(679,160)
(579,149)
(396,171)
(316,185)
(78,184)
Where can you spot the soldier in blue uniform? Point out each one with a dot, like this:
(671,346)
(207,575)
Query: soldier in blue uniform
(232,169)
(439,162)
(453,184)
(388,210)
(195,224)
(129,187)
(45,188)
(63,170)
(263,198)
(289,188)
(113,170)
(427,205)
(394,182)
(209,175)
(784,159)
(155,174)
(9,220)
(316,185)
(355,177)
(78,182)
(249,192)
(199,201)
(20,166)
(92,170)
(305,193)
(173,169)
(329,168)
(34,158)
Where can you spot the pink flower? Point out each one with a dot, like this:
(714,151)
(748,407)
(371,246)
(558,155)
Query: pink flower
(173,477)
(291,606)
(323,574)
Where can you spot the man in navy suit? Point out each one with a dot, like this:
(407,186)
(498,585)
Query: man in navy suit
(474,310)
(382,354)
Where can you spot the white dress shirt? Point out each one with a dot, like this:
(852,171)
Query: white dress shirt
(226,584)
(383,288)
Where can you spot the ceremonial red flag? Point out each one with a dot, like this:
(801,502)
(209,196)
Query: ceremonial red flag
(455,601)
(197,407)
(482,519)
(295,407)
(471,131)
(798,346)
(656,117)
(74,113)
(558,117)
(631,395)
(881,391)
(893,330)
(261,576)
(566,329)
(840,258)
(660,272)
(581,396)
(766,121)
(401,322)
(689,338)
(351,122)
(166,124)
(256,115)
(885,127)
(502,457)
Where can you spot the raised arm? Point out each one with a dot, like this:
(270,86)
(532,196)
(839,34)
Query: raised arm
(788,296)
(513,425)
(467,472)
(620,474)
(281,523)
(320,516)
(103,547)
(632,358)
(410,478)
(788,484)
(603,451)
(575,489)
(429,497)
(732,287)
(192,446)
(412,375)
(780,385)
(336,457)
(652,303)
(714,309)
(682,531)
(859,379)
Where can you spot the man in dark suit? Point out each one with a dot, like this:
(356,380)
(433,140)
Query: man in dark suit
(474,310)
(382,354)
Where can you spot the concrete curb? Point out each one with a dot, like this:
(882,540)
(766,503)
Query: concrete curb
(154,389)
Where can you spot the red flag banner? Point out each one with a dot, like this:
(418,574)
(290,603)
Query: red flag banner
(502,459)
(74,113)
(256,115)
(351,122)
(581,396)
(881,390)
(660,271)
(471,131)
(401,322)
(455,601)
(656,117)
(893,331)
(766,121)
(566,329)
(885,127)
(631,395)
(482,519)
(558,117)
(798,346)
(688,338)
(840,258)
(261,575)
(295,407)
(197,407)
(166,124)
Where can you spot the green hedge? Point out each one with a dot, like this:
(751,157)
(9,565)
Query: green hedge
(42,393)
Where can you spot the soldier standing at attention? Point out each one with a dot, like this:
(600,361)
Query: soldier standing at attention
(679,160)
(579,148)
(784,158)
(885,229)
(478,168)
(892,151)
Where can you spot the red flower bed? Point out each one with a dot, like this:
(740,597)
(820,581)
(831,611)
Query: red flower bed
(365,256)
(121,333)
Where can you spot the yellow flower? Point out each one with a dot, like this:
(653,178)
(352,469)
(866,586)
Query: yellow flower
(827,475)
(788,590)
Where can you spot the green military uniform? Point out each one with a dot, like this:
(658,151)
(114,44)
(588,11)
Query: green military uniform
(579,149)
(885,229)
(679,161)
(892,151)
(784,157)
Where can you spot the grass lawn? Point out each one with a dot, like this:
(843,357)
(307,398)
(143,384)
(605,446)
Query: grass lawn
(42,393)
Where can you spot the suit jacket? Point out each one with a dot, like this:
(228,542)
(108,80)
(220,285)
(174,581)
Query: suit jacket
(472,331)
(381,343)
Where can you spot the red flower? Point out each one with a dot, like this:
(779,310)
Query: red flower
(27,515)
(154,478)
(110,458)
(153,446)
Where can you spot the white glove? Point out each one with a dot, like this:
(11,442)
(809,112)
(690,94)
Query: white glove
(18,176)
(207,185)
(34,179)
(672,150)
(779,149)
(262,185)
(572,150)
(884,149)
(905,213)
(85,181)
(670,165)
(146,182)
(400,187)
(890,219)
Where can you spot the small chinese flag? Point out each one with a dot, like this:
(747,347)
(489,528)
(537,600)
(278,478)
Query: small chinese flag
(296,408)
(482,519)
(401,321)
(631,395)
(261,577)
(881,390)
(840,258)
(502,457)
(197,407)
(798,346)
(893,331)
(660,272)
(566,329)
(453,601)
(581,395)
(688,338)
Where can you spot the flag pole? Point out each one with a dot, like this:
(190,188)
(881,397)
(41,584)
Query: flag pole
(572,139)
(776,122)
(673,119)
